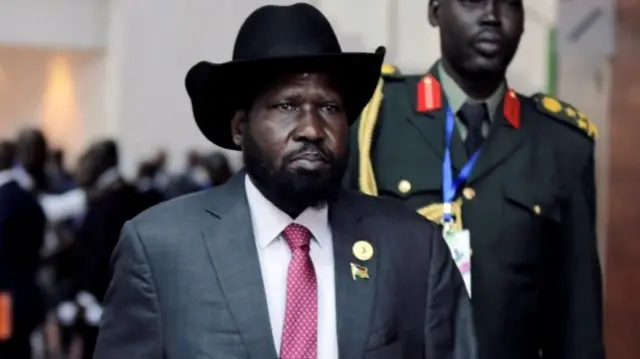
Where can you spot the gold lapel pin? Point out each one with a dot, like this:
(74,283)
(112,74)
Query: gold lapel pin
(359,272)
(363,250)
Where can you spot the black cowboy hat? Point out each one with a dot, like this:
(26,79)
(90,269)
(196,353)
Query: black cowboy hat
(277,40)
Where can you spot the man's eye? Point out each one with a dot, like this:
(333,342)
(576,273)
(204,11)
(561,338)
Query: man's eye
(331,107)
(284,106)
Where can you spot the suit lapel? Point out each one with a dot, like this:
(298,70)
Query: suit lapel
(231,247)
(506,135)
(429,116)
(355,298)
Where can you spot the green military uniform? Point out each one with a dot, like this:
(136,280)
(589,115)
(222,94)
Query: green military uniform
(529,205)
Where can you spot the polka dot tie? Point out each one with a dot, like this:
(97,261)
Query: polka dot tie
(300,333)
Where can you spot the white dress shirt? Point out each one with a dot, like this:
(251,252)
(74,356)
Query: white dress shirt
(274,255)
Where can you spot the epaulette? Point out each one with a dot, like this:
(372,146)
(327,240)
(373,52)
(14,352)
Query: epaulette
(390,72)
(565,113)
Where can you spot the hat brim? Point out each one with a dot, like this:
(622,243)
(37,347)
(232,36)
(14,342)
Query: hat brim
(217,90)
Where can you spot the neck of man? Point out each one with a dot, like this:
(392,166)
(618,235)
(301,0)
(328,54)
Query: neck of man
(478,86)
(290,207)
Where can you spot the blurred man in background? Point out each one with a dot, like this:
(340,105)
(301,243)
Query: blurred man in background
(115,202)
(60,179)
(32,154)
(22,228)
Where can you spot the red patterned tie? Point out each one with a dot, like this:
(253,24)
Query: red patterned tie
(300,333)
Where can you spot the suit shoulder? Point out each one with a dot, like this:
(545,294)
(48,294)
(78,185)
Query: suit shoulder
(564,113)
(389,209)
(170,213)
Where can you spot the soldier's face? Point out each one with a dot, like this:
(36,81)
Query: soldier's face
(295,138)
(478,35)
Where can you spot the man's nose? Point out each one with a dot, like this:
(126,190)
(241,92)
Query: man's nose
(310,128)
(491,13)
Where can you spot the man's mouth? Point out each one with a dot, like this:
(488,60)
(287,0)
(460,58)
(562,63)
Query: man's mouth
(309,161)
(489,43)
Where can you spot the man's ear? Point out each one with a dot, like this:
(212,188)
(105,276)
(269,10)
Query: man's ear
(434,13)
(238,123)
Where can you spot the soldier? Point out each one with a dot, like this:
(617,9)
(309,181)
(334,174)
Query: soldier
(510,176)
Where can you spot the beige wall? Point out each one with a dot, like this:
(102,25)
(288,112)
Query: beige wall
(71,24)
(57,90)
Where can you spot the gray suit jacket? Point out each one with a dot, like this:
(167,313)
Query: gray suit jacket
(187,284)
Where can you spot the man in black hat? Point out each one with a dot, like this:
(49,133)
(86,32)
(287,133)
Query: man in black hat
(512,176)
(280,262)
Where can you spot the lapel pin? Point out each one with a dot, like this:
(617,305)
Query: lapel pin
(359,272)
(363,250)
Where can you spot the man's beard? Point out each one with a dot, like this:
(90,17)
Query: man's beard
(298,188)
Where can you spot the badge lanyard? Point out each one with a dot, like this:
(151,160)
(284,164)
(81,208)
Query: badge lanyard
(449,186)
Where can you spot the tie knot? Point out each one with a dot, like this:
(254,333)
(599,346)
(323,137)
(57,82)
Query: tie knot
(473,115)
(298,236)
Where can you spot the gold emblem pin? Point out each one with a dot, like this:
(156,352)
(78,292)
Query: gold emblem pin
(551,104)
(469,193)
(363,250)
(404,186)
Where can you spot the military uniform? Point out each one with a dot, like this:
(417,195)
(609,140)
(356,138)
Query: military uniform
(529,205)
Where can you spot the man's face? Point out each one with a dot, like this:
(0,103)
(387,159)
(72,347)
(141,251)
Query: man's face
(32,151)
(478,36)
(295,139)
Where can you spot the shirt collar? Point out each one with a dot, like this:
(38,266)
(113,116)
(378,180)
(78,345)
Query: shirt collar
(108,177)
(6,176)
(268,221)
(456,97)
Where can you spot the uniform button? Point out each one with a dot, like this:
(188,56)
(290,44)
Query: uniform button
(537,209)
(469,193)
(404,186)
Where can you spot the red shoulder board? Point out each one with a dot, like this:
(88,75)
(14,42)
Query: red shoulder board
(512,108)
(429,94)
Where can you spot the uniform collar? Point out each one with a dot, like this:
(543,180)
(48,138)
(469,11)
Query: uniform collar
(456,97)
(430,95)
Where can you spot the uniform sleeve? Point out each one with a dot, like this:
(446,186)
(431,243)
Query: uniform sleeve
(449,330)
(573,320)
(131,324)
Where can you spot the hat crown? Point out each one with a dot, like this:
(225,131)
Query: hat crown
(284,31)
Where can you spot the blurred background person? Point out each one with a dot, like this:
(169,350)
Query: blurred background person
(22,227)
(60,179)
(31,156)
(117,202)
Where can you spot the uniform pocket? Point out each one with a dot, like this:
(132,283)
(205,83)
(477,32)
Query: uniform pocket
(537,203)
(408,180)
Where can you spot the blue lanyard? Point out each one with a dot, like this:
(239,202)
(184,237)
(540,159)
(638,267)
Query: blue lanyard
(449,186)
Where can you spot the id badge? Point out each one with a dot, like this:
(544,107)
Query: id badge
(459,243)
(6,316)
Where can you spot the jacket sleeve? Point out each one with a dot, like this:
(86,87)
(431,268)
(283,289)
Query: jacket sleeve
(449,326)
(573,316)
(131,323)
